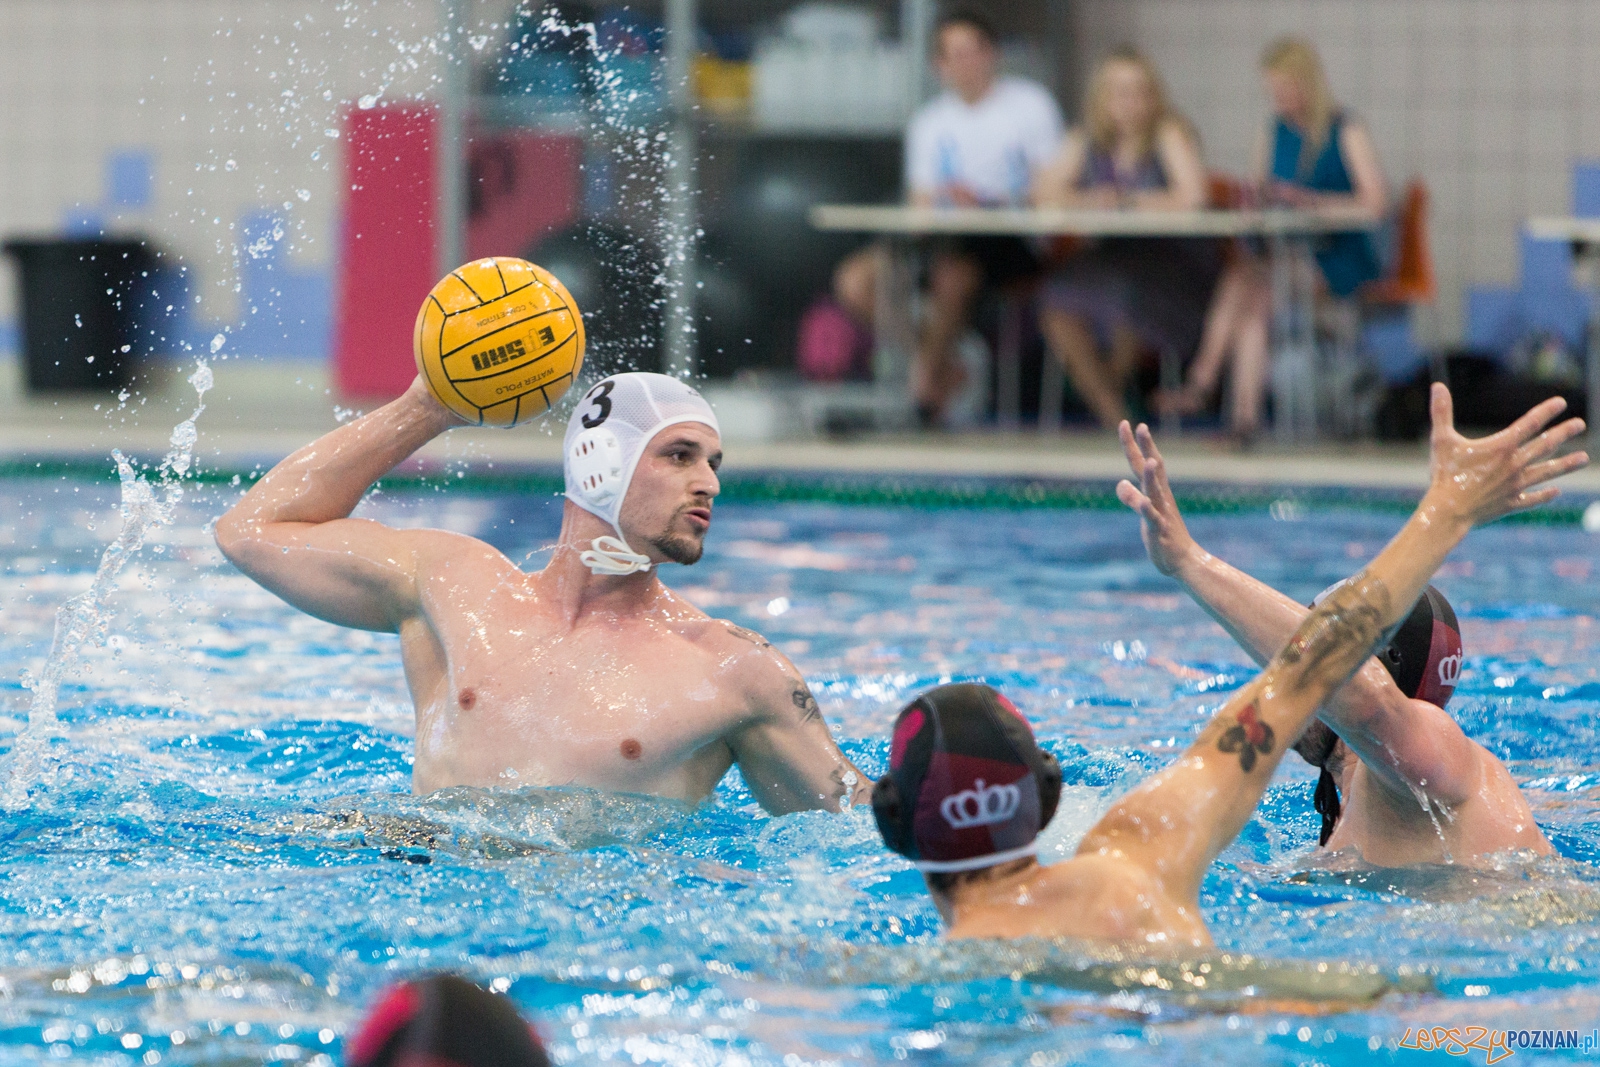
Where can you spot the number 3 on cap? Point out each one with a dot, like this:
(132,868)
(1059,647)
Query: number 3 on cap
(601,398)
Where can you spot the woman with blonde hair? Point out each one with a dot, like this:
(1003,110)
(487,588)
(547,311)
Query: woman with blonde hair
(1313,156)
(1133,152)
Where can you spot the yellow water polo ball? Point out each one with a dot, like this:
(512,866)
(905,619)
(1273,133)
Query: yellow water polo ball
(499,341)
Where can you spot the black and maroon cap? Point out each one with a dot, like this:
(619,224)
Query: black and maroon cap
(1424,655)
(968,786)
(444,1021)
(1424,659)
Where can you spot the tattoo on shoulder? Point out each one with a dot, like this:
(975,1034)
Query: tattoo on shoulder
(749,635)
(1247,736)
(806,703)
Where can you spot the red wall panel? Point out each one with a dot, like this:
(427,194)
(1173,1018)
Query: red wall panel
(521,187)
(389,246)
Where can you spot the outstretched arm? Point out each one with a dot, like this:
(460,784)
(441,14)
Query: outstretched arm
(292,532)
(1176,822)
(786,753)
(1403,741)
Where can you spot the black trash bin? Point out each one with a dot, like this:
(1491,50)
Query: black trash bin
(82,303)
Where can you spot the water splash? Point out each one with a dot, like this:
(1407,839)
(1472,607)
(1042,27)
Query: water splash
(82,619)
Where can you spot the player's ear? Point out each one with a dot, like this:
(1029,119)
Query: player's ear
(1049,789)
(886,809)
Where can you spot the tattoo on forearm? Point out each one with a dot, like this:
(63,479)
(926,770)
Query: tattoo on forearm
(806,703)
(1338,634)
(749,635)
(1247,736)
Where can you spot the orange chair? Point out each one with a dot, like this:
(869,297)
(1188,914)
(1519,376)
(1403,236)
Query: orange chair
(1224,191)
(1413,280)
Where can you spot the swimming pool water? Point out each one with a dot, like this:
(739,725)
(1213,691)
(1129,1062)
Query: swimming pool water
(221,862)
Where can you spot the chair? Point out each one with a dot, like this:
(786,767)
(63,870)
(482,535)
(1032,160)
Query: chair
(1410,282)
(1413,280)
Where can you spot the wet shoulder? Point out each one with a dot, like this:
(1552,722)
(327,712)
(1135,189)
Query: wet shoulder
(1107,898)
(458,558)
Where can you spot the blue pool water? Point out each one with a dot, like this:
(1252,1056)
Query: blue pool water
(221,862)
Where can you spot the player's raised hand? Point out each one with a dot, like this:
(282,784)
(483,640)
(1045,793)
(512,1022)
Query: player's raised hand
(1166,538)
(1481,479)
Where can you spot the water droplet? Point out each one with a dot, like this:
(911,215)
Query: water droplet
(331,132)
(368,102)
(231,164)
(219,340)
(304,194)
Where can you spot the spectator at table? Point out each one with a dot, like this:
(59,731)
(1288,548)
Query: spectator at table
(978,144)
(1134,152)
(1314,155)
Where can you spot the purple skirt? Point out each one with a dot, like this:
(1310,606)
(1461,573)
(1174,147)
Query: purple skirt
(1159,287)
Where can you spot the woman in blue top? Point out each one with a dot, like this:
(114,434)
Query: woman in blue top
(1313,156)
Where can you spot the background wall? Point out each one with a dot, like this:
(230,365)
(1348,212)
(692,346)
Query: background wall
(1484,99)
(203,124)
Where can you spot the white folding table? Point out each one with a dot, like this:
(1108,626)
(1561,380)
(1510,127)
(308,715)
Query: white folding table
(1288,233)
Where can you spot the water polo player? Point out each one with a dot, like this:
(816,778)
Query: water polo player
(968,790)
(1419,790)
(589,672)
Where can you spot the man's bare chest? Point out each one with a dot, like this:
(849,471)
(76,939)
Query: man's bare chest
(638,693)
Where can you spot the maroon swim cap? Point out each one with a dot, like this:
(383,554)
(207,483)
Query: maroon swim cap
(968,786)
(1424,655)
(444,1021)
(1424,659)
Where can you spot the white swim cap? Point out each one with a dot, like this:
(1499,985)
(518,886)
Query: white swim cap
(606,435)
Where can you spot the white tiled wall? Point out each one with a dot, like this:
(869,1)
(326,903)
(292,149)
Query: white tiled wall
(1489,101)
(197,83)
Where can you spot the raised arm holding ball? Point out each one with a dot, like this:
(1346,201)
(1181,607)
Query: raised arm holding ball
(589,672)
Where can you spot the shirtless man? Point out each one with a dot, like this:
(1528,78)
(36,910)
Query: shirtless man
(968,790)
(1418,789)
(589,672)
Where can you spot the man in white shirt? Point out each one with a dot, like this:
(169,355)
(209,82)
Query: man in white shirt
(976,145)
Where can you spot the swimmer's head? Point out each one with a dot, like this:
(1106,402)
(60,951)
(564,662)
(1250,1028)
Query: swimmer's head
(641,453)
(968,787)
(444,1021)
(1423,658)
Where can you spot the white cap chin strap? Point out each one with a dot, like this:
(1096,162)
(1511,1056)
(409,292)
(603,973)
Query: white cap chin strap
(596,466)
(612,556)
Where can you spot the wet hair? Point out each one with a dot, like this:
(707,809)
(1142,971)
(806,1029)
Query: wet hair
(971,18)
(1316,746)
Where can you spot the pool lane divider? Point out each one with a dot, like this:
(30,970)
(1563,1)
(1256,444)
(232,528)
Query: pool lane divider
(1284,502)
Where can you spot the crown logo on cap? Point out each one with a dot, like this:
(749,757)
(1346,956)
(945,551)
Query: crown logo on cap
(1450,670)
(981,805)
